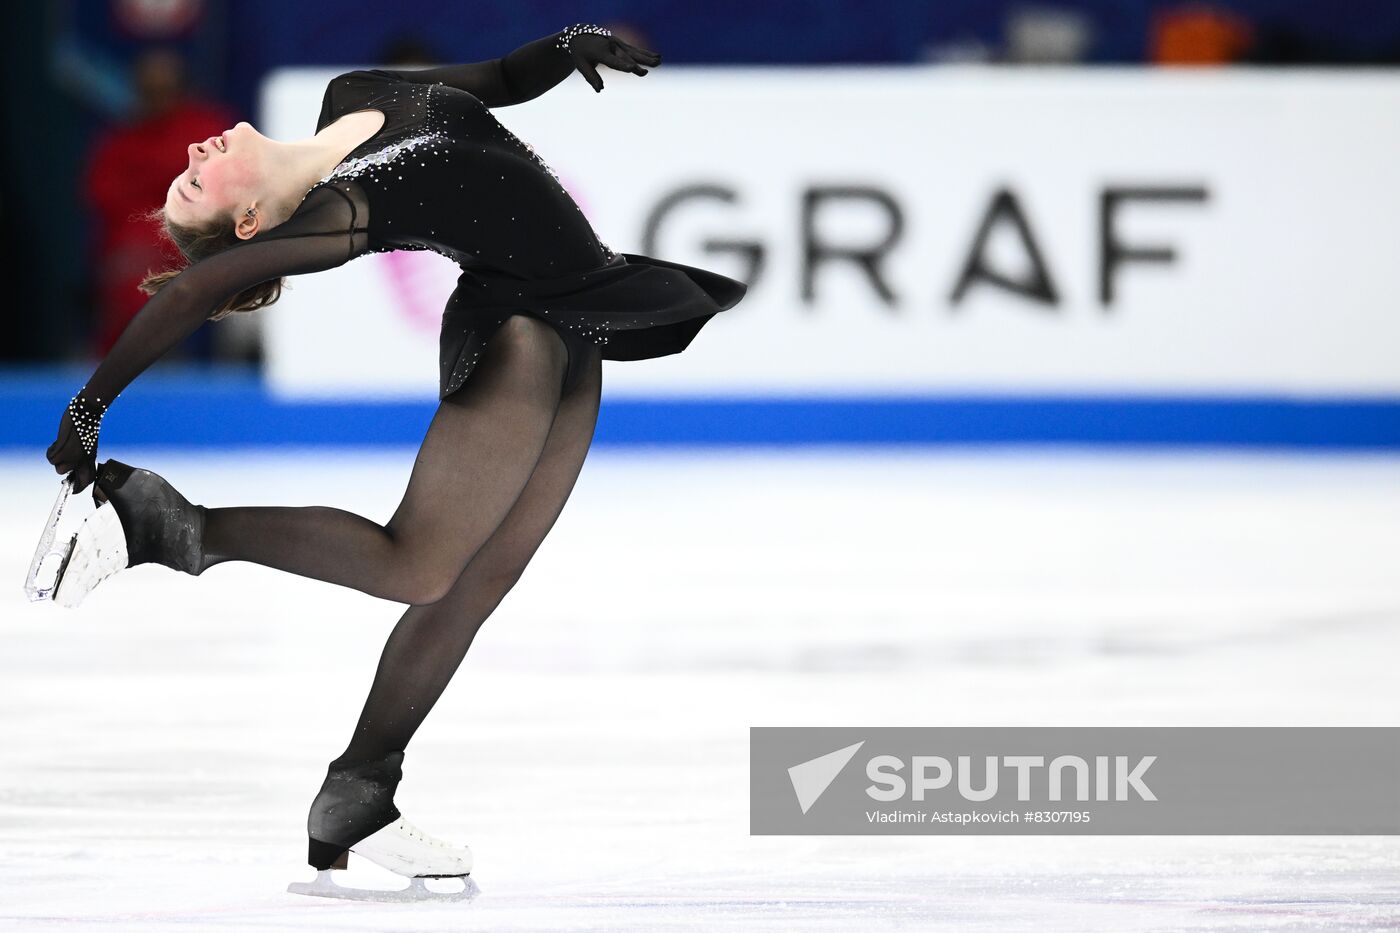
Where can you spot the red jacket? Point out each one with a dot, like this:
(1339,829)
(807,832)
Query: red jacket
(128,174)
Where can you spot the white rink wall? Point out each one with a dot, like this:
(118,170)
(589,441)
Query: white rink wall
(1242,222)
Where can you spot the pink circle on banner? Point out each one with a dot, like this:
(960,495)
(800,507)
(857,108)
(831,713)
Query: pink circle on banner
(420,283)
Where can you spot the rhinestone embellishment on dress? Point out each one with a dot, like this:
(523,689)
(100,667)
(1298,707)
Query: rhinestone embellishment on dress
(353,167)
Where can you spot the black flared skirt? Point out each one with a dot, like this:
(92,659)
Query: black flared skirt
(634,308)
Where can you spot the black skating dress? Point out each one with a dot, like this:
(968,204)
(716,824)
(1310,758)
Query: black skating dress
(443,174)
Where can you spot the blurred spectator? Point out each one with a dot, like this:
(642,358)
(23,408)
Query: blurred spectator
(1198,34)
(963,50)
(1047,36)
(127,174)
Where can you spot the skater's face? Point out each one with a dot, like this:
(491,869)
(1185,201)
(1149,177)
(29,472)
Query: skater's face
(222,180)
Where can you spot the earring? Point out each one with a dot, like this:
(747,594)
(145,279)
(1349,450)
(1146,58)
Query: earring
(252,212)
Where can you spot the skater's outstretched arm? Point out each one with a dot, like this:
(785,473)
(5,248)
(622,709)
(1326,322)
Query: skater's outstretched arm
(326,231)
(537,66)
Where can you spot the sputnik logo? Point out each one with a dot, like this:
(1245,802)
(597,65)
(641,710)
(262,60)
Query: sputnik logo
(810,779)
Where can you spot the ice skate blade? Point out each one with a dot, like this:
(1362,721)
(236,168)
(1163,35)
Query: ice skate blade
(417,891)
(50,558)
(99,551)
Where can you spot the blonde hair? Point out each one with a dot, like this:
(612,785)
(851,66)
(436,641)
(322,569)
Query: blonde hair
(196,243)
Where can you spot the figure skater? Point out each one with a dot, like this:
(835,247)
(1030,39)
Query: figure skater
(400,160)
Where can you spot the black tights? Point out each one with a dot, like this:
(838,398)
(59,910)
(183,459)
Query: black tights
(493,474)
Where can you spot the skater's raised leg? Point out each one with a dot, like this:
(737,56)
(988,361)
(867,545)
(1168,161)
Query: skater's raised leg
(480,450)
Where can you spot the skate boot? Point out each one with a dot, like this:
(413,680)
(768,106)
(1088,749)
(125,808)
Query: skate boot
(355,812)
(143,521)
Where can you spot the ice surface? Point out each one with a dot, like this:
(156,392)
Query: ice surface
(160,745)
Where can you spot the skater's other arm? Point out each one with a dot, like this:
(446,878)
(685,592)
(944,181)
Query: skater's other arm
(537,66)
(325,233)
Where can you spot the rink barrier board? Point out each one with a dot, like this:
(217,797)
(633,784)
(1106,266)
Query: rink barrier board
(223,408)
(1040,250)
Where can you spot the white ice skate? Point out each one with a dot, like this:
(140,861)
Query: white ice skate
(98,551)
(66,570)
(405,850)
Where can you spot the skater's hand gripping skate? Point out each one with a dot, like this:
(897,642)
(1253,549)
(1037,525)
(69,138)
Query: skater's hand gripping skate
(74,452)
(590,46)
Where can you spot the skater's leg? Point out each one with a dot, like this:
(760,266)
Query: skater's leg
(355,804)
(480,450)
(430,641)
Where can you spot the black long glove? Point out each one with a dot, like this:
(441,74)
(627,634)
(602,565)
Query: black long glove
(75,449)
(537,66)
(590,46)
